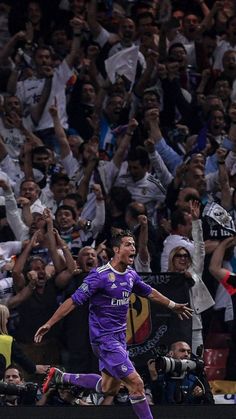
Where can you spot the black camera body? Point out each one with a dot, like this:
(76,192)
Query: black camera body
(26,392)
(178,368)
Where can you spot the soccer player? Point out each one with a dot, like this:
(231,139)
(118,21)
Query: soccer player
(108,288)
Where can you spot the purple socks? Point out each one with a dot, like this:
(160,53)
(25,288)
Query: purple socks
(94,381)
(141,407)
(91,381)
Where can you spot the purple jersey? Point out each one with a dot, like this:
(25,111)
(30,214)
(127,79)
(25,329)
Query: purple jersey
(109,292)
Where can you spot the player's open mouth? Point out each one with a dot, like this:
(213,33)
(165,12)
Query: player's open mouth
(131,258)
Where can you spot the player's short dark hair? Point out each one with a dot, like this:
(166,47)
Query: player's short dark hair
(117,238)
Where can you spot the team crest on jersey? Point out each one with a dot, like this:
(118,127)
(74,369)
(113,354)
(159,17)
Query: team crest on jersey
(111,277)
(124,368)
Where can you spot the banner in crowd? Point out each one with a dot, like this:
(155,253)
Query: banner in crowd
(150,325)
(220,222)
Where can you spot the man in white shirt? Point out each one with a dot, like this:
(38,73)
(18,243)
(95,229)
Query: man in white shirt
(143,186)
(52,196)
(124,39)
(187,38)
(229,43)
(30,90)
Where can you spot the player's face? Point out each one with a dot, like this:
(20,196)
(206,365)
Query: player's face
(127,250)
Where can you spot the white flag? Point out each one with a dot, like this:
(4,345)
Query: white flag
(123,63)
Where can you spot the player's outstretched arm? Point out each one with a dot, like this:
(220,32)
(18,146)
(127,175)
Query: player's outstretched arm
(182,310)
(61,312)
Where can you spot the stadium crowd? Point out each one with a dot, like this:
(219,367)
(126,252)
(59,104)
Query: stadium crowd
(114,115)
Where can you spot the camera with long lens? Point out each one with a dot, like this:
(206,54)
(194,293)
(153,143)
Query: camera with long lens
(177,368)
(26,392)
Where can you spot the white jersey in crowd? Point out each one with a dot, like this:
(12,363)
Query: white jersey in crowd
(148,190)
(29,92)
(107,171)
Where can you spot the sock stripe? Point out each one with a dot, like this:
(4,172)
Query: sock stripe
(98,386)
(137,399)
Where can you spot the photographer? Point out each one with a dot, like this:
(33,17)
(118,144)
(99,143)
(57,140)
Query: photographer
(62,395)
(179,378)
(14,391)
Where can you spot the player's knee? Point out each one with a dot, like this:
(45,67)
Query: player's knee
(113,391)
(110,390)
(137,386)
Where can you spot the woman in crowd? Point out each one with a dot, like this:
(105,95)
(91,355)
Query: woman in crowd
(181,261)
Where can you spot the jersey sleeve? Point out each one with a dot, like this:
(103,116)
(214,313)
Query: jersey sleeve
(90,286)
(139,287)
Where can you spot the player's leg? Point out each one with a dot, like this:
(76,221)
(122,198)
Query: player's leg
(135,385)
(89,381)
(55,376)
(115,361)
(110,387)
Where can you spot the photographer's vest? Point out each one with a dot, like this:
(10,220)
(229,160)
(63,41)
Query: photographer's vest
(5,347)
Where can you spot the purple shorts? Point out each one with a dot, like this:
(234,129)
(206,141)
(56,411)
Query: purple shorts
(113,356)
